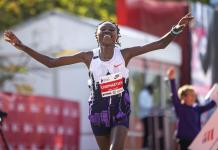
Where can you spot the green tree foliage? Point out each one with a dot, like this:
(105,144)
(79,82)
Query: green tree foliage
(15,11)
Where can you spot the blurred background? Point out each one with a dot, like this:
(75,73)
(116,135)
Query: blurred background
(48,108)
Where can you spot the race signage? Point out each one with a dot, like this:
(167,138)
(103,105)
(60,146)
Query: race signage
(111,85)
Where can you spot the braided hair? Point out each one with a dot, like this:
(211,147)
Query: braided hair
(118,32)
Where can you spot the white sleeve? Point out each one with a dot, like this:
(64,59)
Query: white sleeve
(213,93)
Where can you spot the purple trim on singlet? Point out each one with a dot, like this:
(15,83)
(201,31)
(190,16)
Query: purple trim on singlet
(103,116)
(126,98)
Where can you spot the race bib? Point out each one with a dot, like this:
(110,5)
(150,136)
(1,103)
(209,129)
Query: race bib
(111,85)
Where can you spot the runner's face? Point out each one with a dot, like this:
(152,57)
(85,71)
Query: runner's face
(107,34)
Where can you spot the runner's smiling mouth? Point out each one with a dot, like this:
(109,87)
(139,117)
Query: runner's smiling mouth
(107,36)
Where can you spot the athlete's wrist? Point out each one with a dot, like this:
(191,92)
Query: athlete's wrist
(176,30)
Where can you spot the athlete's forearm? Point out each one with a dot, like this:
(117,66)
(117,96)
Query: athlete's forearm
(47,61)
(165,40)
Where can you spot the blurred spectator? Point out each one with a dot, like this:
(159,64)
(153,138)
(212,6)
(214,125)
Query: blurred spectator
(188,111)
(145,105)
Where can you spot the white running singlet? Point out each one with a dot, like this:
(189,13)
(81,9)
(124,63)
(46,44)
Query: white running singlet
(115,65)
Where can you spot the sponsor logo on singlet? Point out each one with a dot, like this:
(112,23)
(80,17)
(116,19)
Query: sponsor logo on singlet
(117,65)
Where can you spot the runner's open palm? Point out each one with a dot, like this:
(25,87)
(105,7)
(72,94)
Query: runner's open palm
(185,20)
(12,38)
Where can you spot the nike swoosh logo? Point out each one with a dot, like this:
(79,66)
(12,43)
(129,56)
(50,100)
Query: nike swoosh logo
(117,65)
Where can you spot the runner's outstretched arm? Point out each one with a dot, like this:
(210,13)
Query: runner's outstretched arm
(83,57)
(129,53)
